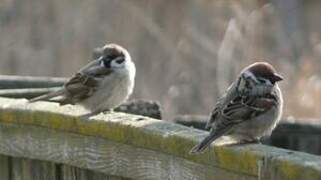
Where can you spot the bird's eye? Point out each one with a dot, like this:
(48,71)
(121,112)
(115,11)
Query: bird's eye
(111,56)
(261,80)
(119,61)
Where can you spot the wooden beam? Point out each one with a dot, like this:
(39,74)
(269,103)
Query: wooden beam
(27,169)
(100,155)
(15,82)
(4,167)
(137,147)
(27,93)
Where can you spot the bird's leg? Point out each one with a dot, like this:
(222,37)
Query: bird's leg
(107,111)
(250,141)
(258,141)
(93,113)
(88,115)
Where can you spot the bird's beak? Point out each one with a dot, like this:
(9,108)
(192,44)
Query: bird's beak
(277,77)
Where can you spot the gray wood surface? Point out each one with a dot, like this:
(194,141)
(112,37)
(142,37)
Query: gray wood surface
(18,168)
(27,169)
(74,173)
(96,154)
(14,82)
(27,93)
(4,167)
(137,147)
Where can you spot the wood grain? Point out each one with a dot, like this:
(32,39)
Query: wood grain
(27,169)
(27,93)
(137,147)
(74,173)
(13,82)
(99,155)
(14,168)
(4,167)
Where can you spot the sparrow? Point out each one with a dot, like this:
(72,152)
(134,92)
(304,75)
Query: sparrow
(102,84)
(250,108)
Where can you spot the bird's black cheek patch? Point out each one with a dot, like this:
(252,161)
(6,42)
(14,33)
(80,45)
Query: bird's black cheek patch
(107,63)
(120,61)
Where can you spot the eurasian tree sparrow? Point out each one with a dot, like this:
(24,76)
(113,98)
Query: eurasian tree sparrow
(102,84)
(250,108)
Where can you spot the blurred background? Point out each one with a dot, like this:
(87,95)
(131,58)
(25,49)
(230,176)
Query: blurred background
(186,52)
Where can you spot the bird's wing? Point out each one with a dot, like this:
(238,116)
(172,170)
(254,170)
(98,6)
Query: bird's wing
(213,116)
(242,108)
(48,95)
(78,88)
(238,110)
(83,84)
(219,105)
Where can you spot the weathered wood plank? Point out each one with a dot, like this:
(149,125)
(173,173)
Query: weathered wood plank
(139,107)
(101,155)
(26,93)
(14,82)
(161,144)
(74,173)
(4,167)
(27,169)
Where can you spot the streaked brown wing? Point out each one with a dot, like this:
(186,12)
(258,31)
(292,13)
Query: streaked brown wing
(216,112)
(213,116)
(243,108)
(80,80)
(79,87)
(238,110)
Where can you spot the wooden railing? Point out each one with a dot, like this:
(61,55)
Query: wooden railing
(299,135)
(45,141)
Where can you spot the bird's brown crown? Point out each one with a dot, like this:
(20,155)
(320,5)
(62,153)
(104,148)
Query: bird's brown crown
(112,50)
(265,70)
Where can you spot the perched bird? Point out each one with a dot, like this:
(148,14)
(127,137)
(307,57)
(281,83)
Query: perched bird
(102,84)
(250,108)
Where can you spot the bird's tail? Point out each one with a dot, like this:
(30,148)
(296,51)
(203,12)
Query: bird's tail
(204,144)
(214,134)
(48,96)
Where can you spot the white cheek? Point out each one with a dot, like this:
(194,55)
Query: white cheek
(116,65)
(102,64)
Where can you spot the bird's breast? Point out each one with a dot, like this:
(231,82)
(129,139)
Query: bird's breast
(111,92)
